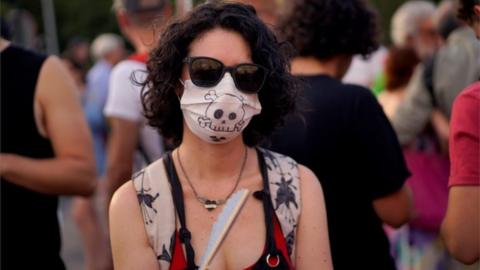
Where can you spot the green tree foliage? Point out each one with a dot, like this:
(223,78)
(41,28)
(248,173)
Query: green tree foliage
(86,18)
(385,9)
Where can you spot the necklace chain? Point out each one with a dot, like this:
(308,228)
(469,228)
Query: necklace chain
(208,203)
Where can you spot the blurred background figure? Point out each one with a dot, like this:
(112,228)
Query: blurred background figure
(77,50)
(269,11)
(420,117)
(76,58)
(131,143)
(417,245)
(469,12)
(399,66)
(365,71)
(412,27)
(107,50)
(26,27)
(460,229)
(342,133)
(436,83)
(46,151)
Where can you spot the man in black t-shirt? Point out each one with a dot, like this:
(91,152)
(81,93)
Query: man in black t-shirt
(343,135)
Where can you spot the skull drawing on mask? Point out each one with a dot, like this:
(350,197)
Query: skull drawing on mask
(221,118)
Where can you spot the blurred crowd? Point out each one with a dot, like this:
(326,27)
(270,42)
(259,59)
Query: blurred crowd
(384,129)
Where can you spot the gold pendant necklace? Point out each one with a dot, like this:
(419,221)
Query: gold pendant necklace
(210,204)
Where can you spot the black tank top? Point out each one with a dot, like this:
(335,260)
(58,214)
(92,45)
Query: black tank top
(30,232)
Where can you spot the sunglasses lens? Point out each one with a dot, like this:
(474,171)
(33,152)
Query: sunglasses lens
(205,72)
(249,78)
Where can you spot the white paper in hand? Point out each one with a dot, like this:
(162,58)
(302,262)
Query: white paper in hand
(224,222)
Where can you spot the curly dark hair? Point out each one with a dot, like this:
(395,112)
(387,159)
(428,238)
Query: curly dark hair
(466,12)
(160,101)
(326,28)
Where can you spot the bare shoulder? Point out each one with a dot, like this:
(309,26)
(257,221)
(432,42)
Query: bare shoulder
(124,200)
(309,182)
(313,251)
(52,62)
(124,207)
(54,80)
(53,66)
(130,245)
(311,190)
(60,112)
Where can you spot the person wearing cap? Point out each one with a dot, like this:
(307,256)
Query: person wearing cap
(107,50)
(132,144)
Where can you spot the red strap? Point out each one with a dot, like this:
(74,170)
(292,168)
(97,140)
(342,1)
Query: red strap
(281,242)
(139,57)
(178,259)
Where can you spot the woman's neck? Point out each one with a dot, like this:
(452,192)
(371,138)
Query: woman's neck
(211,162)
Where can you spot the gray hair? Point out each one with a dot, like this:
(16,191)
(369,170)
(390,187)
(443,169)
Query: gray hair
(406,17)
(118,5)
(105,43)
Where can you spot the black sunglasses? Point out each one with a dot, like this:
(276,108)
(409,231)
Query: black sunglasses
(208,72)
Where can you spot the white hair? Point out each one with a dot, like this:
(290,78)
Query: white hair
(105,43)
(118,5)
(406,18)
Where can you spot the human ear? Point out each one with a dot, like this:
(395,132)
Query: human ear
(476,10)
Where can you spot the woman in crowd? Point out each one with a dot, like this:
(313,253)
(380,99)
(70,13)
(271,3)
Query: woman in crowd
(417,245)
(399,66)
(217,85)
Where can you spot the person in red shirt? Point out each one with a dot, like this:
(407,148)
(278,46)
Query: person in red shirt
(460,229)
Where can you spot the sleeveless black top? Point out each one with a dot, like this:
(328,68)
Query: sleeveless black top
(30,232)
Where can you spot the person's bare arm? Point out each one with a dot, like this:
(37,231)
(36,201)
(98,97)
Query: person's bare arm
(395,209)
(130,247)
(313,246)
(122,143)
(461,226)
(442,128)
(72,170)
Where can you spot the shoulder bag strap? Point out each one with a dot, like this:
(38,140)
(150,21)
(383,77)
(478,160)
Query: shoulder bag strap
(264,195)
(177,193)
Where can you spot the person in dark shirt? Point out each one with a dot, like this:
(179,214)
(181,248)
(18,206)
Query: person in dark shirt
(343,134)
(45,151)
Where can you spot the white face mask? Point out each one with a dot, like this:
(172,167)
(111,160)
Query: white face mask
(218,114)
